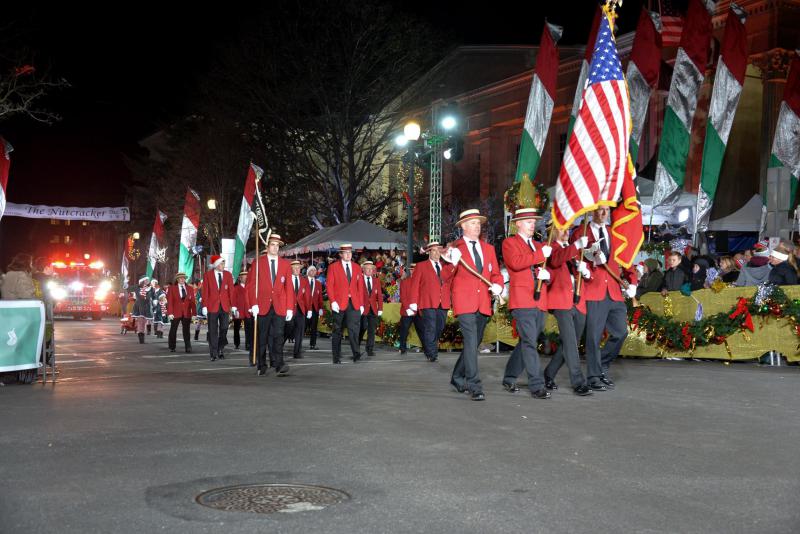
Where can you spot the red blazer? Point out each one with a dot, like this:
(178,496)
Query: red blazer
(303,296)
(468,293)
(519,259)
(375,299)
(562,269)
(316,295)
(240,301)
(340,291)
(279,296)
(213,295)
(600,283)
(406,293)
(181,308)
(427,291)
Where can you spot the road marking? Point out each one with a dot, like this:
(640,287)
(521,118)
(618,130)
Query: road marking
(58,360)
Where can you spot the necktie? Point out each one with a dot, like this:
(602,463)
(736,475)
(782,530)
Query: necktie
(369,285)
(183,292)
(604,242)
(438,272)
(219,280)
(312,286)
(272,270)
(347,270)
(296,285)
(476,254)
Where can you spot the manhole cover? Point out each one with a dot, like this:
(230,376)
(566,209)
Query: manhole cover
(271,498)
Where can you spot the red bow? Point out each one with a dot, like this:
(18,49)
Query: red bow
(742,309)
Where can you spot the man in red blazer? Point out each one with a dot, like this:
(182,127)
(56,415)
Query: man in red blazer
(217,304)
(605,300)
(346,293)
(181,307)
(302,299)
(408,314)
(243,316)
(471,298)
(270,297)
(317,310)
(431,297)
(524,259)
(566,268)
(373,308)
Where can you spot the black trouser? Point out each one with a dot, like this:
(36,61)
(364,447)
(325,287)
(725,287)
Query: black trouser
(530,322)
(465,372)
(296,327)
(312,329)
(603,315)
(369,322)
(217,331)
(172,338)
(570,330)
(270,335)
(351,318)
(433,320)
(405,327)
(248,333)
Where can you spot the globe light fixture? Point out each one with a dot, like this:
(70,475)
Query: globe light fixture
(401,140)
(449,122)
(448,153)
(412,131)
(212,204)
(135,235)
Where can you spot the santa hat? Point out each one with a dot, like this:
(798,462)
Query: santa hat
(761,249)
(216,260)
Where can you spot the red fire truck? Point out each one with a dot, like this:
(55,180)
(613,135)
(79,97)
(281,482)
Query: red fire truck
(81,289)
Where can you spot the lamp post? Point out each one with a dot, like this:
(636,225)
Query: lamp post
(411,133)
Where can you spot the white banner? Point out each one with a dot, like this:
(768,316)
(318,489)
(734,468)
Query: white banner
(69,214)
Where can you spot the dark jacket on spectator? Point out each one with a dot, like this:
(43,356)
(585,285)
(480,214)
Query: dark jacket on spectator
(730,277)
(652,281)
(699,277)
(674,279)
(783,274)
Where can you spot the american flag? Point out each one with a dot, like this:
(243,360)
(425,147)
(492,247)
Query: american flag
(594,166)
(671,23)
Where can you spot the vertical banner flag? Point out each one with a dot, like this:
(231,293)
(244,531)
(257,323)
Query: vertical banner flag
(156,239)
(123,269)
(786,143)
(191,222)
(687,77)
(246,217)
(642,73)
(672,23)
(728,84)
(576,102)
(597,158)
(627,229)
(540,103)
(5,166)
(22,327)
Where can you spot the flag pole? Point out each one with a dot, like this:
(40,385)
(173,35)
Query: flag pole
(255,317)
(538,292)
(577,297)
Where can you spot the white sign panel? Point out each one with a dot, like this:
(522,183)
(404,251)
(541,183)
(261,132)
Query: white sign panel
(67,213)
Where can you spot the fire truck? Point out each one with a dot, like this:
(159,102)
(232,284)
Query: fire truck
(81,289)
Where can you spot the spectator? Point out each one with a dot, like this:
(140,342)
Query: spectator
(652,279)
(675,276)
(782,273)
(18,282)
(756,270)
(729,272)
(699,270)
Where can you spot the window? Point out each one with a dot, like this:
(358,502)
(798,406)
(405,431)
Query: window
(54,239)
(54,222)
(85,223)
(66,223)
(66,240)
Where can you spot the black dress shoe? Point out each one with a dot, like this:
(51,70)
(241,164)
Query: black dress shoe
(402,352)
(607,381)
(262,372)
(236,347)
(511,388)
(597,386)
(221,356)
(337,361)
(540,394)
(582,390)
(213,358)
(549,383)
(297,356)
(188,349)
(283,371)
(356,358)
(460,389)
(313,347)
(477,396)
(433,360)
(172,350)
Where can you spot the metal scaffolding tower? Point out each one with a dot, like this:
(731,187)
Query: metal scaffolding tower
(435,225)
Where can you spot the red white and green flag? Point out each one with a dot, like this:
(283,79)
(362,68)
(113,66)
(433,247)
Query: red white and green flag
(642,73)
(786,143)
(540,103)
(246,217)
(5,165)
(728,84)
(191,222)
(687,77)
(156,251)
(584,73)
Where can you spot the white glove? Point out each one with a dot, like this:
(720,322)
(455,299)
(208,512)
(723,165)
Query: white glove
(413,306)
(496,289)
(543,275)
(453,255)
(546,250)
(361,309)
(205,311)
(289,315)
(581,242)
(380,312)
(335,307)
(235,310)
(409,312)
(600,258)
(170,317)
(583,269)
(254,309)
(308,315)
(640,270)
(631,291)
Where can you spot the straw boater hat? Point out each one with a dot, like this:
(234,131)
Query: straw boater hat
(526,213)
(368,262)
(144,279)
(432,244)
(466,215)
(243,271)
(413,265)
(296,262)
(276,237)
(216,260)
(180,275)
(345,247)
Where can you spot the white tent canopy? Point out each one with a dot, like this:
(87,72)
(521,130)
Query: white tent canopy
(745,219)
(360,234)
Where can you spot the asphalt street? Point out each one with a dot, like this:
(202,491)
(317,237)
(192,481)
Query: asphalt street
(131,434)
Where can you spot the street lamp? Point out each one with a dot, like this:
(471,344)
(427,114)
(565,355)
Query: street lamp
(135,235)
(410,136)
(212,204)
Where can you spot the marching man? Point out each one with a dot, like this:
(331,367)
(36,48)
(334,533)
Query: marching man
(242,314)
(316,310)
(524,260)
(181,308)
(430,294)
(217,305)
(270,297)
(302,299)
(408,314)
(346,292)
(142,308)
(373,306)
(472,258)
(605,301)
